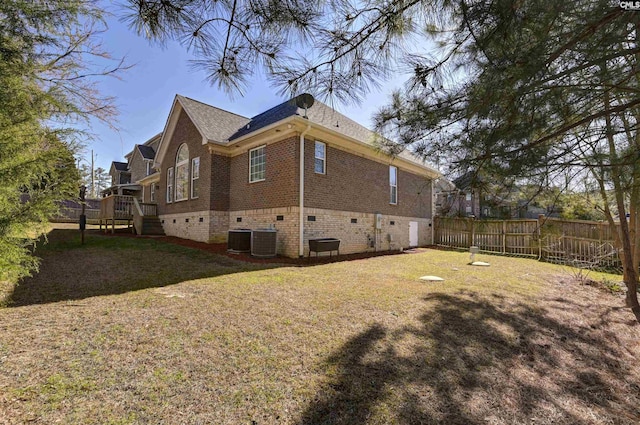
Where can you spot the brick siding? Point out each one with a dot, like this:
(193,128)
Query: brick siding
(354,183)
(186,132)
(280,187)
(137,166)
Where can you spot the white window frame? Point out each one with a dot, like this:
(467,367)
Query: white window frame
(252,178)
(183,163)
(152,193)
(323,158)
(468,196)
(195,174)
(149,169)
(169,185)
(393,185)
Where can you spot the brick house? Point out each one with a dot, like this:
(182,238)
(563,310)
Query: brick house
(307,173)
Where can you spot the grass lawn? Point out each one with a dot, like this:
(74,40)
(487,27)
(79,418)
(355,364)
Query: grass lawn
(138,331)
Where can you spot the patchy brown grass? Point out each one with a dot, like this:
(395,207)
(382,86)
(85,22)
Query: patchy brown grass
(128,330)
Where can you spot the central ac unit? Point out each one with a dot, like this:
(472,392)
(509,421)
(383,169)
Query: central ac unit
(263,243)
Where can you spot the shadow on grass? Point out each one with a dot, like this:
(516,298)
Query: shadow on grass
(110,266)
(478,361)
(115,264)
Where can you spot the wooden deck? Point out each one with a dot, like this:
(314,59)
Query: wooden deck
(119,208)
(116,208)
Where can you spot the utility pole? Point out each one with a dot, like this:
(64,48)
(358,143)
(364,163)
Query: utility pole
(93,178)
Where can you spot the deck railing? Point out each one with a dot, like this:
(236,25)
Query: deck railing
(116,207)
(148,210)
(140,211)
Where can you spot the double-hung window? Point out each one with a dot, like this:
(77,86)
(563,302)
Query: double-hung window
(170,185)
(195,176)
(393,185)
(257,164)
(152,193)
(320,164)
(182,173)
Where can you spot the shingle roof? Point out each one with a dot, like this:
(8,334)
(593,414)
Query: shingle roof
(319,113)
(214,123)
(147,152)
(221,126)
(120,166)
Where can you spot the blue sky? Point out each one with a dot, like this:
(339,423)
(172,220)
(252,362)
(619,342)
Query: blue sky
(145,93)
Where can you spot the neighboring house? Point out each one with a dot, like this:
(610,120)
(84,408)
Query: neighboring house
(308,173)
(446,194)
(135,177)
(477,196)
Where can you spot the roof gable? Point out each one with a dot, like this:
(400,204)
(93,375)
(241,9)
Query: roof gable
(147,152)
(118,166)
(214,124)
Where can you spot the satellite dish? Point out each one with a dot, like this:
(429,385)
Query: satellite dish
(304,101)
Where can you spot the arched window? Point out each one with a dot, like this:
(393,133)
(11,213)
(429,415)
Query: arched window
(182,173)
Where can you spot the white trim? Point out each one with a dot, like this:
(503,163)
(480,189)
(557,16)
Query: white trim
(393,186)
(155,177)
(265,164)
(301,195)
(193,161)
(167,132)
(169,194)
(152,192)
(183,163)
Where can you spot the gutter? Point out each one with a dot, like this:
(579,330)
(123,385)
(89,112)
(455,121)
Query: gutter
(301,193)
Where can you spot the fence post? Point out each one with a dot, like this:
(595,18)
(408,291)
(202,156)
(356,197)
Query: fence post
(434,231)
(473,232)
(541,220)
(504,236)
(600,232)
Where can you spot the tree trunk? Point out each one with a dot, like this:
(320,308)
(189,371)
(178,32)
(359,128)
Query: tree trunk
(630,273)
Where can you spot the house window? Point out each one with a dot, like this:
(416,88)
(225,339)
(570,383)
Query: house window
(320,158)
(170,185)
(468,210)
(393,184)
(257,164)
(182,173)
(149,169)
(152,193)
(195,175)
(468,197)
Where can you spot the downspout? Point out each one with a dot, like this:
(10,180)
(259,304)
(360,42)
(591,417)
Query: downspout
(433,211)
(301,205)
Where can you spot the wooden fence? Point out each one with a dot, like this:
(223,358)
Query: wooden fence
(72,215)
(575,242)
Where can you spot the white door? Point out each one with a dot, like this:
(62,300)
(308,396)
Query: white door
(413,233)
